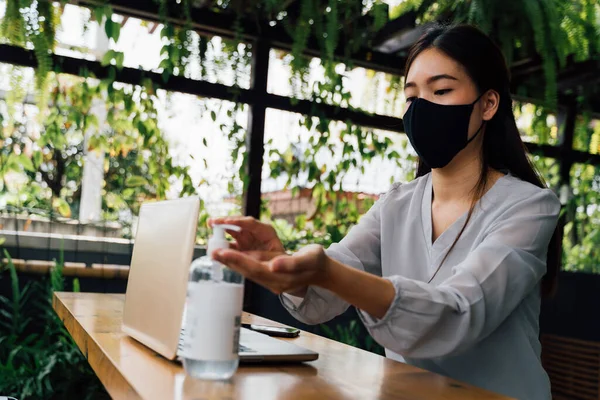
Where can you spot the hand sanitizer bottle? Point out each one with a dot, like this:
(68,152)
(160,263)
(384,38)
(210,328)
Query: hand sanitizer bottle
(213,314)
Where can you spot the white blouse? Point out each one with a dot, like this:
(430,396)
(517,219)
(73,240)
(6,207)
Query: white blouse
(478,320)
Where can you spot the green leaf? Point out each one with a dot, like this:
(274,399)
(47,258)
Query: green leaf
(76,286)
(318,191)
(119,58)
(148,85)
(93,143)
(135,181)
(108,56)
(26,163)
(108,11)
(13,164)
(327,330)
(116,31)
(112,74)
(99,14)
(203,142)
(393,155)
(165,64)
(62,207)
(301,222)
(213,115)
(164,32)
(108,27)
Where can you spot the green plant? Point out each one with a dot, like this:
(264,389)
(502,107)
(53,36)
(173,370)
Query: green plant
(137,154)
(38,358)
(32,23)
(542,128)
(338,26)
(309,165)
(581,235)
(587,134)
(353,334)
(554,30)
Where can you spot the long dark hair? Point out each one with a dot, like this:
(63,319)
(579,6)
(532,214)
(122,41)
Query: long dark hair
(503,148)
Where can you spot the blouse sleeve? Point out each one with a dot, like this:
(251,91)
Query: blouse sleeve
(360,249)
(427,320)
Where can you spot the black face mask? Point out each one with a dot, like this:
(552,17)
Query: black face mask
(438,132)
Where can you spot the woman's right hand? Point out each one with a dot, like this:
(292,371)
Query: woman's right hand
(256,239)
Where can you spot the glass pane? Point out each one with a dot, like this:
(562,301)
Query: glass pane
(536,124)
(211,59)
(204,134)
(368,90)
(317,185)
(208,137)
(152,147)
(582,235)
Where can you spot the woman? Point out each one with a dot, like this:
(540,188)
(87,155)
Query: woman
(446,271)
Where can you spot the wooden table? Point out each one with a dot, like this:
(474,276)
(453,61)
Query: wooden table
(130,370)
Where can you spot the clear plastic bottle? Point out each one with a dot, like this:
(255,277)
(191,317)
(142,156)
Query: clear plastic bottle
(213,314)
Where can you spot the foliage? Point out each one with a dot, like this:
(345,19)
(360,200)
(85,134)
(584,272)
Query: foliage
(333,26)
(581,236)
(587,134)
(555,30)
(350,148)
(38,358)
(354,334)
(582,233)
(336,25)
(32,23)
(540,125)
(137,154)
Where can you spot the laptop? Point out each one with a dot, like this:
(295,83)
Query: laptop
(156,290)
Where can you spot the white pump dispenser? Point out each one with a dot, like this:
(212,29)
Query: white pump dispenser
(213,314)
(217,240)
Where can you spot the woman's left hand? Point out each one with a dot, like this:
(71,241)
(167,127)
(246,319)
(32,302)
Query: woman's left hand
(284,273)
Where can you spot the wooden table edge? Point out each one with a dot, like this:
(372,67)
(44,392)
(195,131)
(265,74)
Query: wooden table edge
(92,351)
(106,368)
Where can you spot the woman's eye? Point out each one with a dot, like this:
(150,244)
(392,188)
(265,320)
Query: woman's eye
(442,92)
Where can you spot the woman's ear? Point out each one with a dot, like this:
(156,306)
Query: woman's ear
(490,103)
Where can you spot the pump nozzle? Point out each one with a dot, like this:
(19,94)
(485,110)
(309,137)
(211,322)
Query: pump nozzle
(217,240)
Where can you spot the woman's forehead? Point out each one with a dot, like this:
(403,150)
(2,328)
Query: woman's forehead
(433,62)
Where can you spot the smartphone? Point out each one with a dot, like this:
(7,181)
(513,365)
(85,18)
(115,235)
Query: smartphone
(274,330)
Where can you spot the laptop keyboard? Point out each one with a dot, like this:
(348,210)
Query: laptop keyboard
(242,349)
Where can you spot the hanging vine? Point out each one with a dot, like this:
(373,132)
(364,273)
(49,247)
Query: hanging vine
(33,23)
(553,30)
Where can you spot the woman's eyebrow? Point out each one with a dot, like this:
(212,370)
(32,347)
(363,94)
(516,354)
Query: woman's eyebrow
(431,80)
(441,76)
